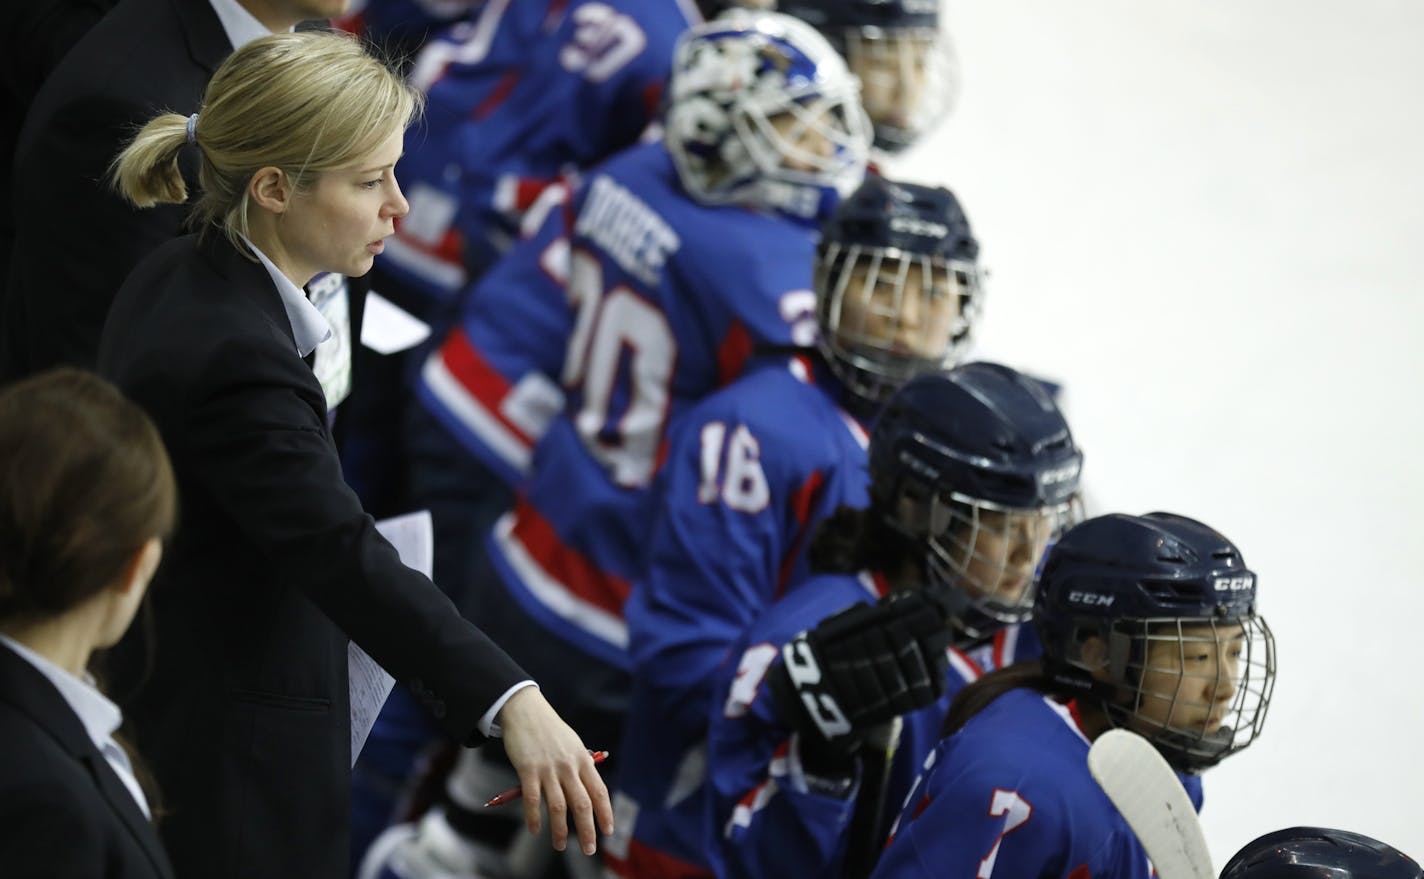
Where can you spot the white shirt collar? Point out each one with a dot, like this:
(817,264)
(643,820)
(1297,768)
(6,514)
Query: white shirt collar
(241,26)
(309,327)
(99,715)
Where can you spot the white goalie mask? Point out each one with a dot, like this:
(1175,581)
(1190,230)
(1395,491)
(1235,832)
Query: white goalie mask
(762,112)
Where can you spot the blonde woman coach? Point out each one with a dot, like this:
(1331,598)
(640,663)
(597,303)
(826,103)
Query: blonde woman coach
(275,565)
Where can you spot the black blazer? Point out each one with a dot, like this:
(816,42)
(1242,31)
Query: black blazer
(75,238)
(40,33)
(63,811)
(246,713)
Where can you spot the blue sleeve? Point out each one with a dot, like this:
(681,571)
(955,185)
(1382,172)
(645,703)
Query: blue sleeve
(767,818)
(494,380)
(737,498)
(712,569)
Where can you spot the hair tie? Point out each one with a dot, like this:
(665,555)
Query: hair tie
(193,129)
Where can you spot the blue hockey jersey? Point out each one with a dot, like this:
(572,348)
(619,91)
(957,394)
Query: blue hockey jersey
(765,821)
(1010,795)
(632,295)
(756,815)
(662,301)
(749,474)
(517,97)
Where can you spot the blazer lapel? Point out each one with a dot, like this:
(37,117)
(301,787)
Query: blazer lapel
(250,279)
(122,802)
(249,276)
(32,693)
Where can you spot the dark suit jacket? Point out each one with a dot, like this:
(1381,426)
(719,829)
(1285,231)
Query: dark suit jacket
(64,814)
(76,239)
(40,33)
(275,565)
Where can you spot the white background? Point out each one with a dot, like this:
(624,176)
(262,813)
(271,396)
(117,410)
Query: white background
(1207,219)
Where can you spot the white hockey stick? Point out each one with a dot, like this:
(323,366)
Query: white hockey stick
(1148,794)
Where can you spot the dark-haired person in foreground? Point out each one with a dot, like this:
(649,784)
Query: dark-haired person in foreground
(86,499)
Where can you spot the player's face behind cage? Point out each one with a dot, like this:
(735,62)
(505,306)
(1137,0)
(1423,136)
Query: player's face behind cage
(907,80)
(991,553)
(988,554)
(817,139)
(1198,687)
(889,315)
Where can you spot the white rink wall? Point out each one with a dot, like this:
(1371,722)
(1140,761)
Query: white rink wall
(1207,220)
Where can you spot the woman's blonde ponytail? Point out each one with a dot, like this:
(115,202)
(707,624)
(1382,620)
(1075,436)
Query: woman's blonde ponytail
(146,172)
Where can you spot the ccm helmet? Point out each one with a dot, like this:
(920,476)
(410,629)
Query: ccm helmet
(978,465)
(1155,618)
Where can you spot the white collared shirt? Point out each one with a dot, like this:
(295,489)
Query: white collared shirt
(99,716)
(309,327)
(241,26)
(488,725)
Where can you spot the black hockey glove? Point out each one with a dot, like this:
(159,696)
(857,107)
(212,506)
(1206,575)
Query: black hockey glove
(861,667)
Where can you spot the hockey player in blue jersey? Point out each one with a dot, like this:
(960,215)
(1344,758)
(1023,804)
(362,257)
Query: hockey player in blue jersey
(1319,853)
(517,97)
(973,473)
(752,471)
(675,260)
(1148,623)
(496,386)
(643,292)
(763,133)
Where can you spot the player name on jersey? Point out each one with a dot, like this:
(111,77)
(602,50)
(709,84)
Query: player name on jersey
(630,231)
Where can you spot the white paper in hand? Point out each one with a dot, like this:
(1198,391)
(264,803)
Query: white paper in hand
(413,536)
(1151,798)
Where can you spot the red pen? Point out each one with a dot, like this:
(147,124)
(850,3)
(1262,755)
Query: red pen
(515,793)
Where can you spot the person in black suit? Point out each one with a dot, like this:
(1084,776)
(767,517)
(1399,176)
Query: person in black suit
(40,33)
(86,497)
(276,565)
(75,239)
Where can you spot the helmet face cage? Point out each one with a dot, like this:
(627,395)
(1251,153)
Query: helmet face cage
(989,555)
(909,80)
(1196,688)
(887,315)
(763,112)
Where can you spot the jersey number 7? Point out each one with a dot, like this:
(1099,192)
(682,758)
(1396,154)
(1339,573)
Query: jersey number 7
(1016,811)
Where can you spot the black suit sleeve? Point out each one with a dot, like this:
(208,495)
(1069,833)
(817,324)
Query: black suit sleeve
(259,447)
